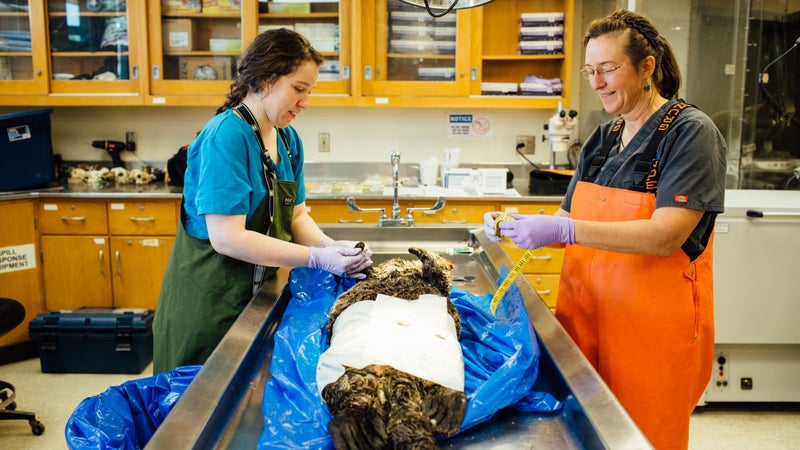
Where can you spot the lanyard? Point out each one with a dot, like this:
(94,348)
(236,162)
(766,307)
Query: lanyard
(266,161)
(645,172)
(270,175)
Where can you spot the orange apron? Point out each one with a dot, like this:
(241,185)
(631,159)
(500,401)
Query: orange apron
(646,323)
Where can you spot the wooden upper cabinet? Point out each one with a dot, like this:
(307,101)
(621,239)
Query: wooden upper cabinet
(67,52)
(376,52)
(527,43)
(195,49)
(407,54)
(97,48)
(328,25)
(23,61)
(505,54)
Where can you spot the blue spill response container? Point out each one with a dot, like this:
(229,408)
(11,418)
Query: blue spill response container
(26,150)
(94,340)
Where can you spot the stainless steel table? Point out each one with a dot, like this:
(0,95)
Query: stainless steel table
(222,407)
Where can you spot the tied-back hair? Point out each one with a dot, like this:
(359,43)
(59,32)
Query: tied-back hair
(271,55)
(643,41)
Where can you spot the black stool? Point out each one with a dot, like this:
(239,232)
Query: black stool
(12,313)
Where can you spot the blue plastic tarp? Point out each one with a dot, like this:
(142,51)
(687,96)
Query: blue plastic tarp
(127,416)
(501,357)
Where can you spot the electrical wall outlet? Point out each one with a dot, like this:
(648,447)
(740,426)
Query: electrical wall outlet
(324,144)
(526,144)
(130,140)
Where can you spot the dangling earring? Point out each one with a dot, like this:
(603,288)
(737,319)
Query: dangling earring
(647,87)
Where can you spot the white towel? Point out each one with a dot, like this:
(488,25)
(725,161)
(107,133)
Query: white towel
(417,337)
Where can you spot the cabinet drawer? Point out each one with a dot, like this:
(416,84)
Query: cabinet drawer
(544,260)
(546,286)
(149,218)
(452,212)
(72,217)
(532,208)
(337,211)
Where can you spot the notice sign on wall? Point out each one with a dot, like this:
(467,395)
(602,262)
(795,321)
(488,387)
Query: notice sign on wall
(17,257)
(469,126)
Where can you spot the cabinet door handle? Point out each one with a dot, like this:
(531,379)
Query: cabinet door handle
(102,270)
(143,219)
(116,262)
(73,218)
(753,214)
(543,292)
(542,257)
(454,221)
(351,220)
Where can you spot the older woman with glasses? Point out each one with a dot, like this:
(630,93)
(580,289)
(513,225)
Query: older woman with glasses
(636,290)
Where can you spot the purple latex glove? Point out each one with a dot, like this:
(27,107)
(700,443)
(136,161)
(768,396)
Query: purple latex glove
(343,261)
(537,230)
(488,225)
(328,242)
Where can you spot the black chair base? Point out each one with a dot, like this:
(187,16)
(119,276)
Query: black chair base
(8,409)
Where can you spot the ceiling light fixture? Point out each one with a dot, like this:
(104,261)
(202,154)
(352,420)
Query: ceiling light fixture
(443,7)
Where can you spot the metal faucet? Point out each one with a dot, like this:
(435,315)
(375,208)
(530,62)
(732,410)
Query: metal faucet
(395,158)
(396,218)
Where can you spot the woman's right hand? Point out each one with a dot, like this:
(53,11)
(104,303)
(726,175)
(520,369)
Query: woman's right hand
(489,225)
(342,261)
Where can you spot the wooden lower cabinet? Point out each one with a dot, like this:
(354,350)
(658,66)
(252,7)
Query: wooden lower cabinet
(20,270)
(105,253)
(337,211)
(77,271)
(453,212)
(138,265)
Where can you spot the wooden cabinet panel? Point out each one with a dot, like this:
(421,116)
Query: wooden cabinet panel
(544,260)
(453,212)
(138,269)
(337,211)
(530,208)
(72,217)
(20,277)
(76,271)
(546,286)
(168,53)
(142,218)
(121,264)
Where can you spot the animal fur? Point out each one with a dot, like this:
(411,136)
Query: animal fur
(379,407)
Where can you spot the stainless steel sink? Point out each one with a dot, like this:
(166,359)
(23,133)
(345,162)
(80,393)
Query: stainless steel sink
(222,407)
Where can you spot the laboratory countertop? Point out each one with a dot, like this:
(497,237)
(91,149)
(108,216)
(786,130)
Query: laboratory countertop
(313,192)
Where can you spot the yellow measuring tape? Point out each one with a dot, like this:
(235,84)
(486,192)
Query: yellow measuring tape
(498,294)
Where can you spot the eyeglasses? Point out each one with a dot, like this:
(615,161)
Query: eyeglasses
(587,72)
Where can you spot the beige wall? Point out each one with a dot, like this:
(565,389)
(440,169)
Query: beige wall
(357,134)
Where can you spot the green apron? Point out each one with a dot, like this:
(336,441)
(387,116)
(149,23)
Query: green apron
(204,292)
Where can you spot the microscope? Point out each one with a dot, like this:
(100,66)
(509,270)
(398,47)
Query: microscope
(554,181)
(559,130)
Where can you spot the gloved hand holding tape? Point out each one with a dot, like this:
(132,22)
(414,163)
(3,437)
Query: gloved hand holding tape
(529,232)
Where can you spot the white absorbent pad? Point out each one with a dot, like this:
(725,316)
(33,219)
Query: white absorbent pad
(416,337)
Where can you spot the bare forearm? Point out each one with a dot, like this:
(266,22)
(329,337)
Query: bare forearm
(229,237)
(305,230)
(660,235)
